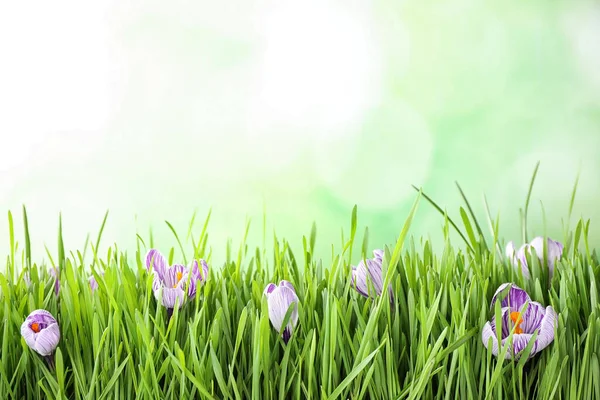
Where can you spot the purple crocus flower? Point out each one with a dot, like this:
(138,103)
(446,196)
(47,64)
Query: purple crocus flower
(368,276)
(41,333)
(535,318)
(519,258)
(27,279)
(93,282)
(56,275)
(279,299)
(198,275)
(172,280)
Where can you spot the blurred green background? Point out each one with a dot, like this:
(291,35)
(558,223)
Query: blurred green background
(303,108)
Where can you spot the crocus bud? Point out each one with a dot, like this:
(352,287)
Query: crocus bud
(41,332)
(280,298)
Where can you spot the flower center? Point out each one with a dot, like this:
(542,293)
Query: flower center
(179,275)
(516,317)
(35,327)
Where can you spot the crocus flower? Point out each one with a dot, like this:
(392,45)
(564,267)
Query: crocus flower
(198,275)
(56,275)
(279,299)
(27,278)
(172,280)
(93,283)
(368,277)
(41,333)
(519,258)
(535,318)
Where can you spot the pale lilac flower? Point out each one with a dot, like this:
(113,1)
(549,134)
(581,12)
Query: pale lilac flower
(367,277)
(41,332)
(535,318)
(198,275)
(93,282)
(54,272)
(279,299)
(172,280)
(519,258)
(27,278)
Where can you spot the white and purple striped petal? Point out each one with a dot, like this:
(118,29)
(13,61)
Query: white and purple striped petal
(535,248)
(367,278)
(280,299)
(198,277)
(155,261)
(41,332)
(515,297)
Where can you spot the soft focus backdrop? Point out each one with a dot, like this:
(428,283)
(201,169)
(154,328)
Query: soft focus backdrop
(154,109)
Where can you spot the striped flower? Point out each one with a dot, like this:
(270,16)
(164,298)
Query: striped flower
(199,276)
(535,318)
(535,247)
(172,280)
(41,333)
(367,276)
(55,273)
(280,299)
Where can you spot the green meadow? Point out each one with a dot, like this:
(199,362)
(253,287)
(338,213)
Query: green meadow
(118,341)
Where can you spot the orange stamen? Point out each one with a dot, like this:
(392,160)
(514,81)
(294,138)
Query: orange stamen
(35,327)
(517,319)
(179,275)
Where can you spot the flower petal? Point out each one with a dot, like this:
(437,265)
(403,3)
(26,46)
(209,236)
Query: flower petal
(488,333)
(522,260)
(288,285)
(171,295)
(47,340)
(378,255)
(55,273)
(279,301)
(198,276)
(41,317)
(374,268)
(155,260)
(269,289)
(28,334)
(93,283)
(515,298)
(359,279)
(532,317)
(546,332)
(175,275)
(519,342)
(204,271)
(510,252)
(194,281)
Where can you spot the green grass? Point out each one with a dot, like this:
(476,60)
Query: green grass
(116,343)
